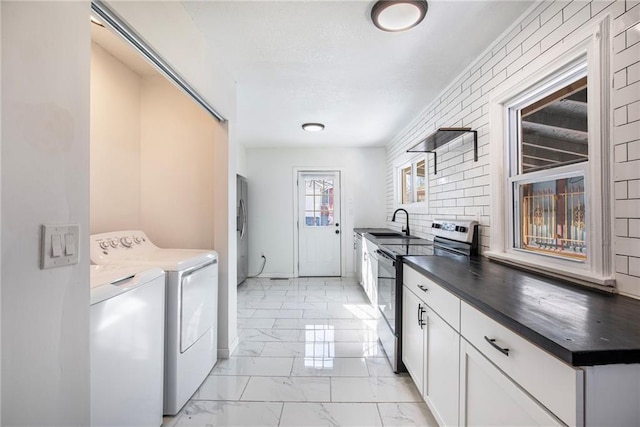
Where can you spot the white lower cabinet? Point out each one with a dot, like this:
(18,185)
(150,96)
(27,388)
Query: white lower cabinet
(430,353)
(489,398)
(443,361)
(413,351)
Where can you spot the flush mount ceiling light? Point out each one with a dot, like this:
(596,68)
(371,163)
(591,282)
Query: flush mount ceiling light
(398,15)
(313,127)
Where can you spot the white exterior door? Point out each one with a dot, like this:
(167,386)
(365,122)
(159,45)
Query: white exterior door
(319,235)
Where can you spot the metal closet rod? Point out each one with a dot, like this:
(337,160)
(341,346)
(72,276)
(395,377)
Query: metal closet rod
(121,27)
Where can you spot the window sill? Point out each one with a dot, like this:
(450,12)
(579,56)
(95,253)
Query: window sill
(577,276)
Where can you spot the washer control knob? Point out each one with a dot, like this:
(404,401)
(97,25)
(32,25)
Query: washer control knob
(137,239)
(126,242)
(104,244)
(113,243)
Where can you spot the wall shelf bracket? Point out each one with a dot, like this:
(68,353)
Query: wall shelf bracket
(442,137)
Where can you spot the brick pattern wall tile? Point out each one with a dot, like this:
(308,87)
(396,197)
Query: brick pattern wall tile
(461,188)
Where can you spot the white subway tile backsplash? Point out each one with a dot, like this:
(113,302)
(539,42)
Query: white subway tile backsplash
(620,153)
(620,116)
(633,73)
(569,26)
(630,18)
(628,246)
(627,170)
(620,79)
(621,227)
(573,8)
(633,150)
(554,10)
(599,5)
(633,191)
(625,58)
(522,62)
(620,190)
(620,42)
(633,112)
(462,187)
(547,28)
(629,208)
(526,32)
(622,264)
(627,132)
(634,266)
(633,35)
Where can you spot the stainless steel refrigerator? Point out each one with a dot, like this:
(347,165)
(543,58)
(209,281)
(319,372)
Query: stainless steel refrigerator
(242,220)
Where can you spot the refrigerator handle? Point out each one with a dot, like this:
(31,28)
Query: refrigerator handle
(243,219)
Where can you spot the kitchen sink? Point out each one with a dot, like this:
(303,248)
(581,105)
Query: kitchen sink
(387,234)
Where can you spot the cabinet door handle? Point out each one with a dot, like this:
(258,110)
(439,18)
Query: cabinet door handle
(492,341)
(423,288)
(421,311)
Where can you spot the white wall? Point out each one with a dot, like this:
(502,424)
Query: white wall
(115,144)
(271,187)
(461,189)
(45,180)
(185,48)
(241,163)
(176,168)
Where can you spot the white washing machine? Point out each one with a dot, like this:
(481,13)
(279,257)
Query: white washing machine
(191,332)
(127,345)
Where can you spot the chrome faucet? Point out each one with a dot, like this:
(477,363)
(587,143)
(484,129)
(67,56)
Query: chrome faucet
(393,219)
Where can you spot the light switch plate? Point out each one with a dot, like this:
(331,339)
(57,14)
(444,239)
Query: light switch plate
(65,238)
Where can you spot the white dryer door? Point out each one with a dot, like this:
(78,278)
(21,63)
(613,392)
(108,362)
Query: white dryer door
(199,297)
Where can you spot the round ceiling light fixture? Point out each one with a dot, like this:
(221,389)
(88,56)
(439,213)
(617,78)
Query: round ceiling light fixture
(398,15)
(313,127)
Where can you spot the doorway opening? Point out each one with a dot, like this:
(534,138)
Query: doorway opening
(318,212)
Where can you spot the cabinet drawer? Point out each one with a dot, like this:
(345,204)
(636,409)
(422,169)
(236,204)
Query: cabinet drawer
(552,382)
(435,296)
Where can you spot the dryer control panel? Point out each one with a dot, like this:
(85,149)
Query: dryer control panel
(105,244)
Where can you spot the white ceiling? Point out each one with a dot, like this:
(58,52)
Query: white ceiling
(324,61)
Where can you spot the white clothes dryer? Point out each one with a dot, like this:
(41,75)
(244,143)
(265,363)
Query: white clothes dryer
(127,345)
(191,331)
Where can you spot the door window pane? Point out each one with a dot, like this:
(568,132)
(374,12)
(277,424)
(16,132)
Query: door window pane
(318,202)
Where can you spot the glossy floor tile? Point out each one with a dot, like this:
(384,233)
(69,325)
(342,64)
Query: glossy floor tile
(308,355)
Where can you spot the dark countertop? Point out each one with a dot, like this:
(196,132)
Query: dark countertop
(583,327)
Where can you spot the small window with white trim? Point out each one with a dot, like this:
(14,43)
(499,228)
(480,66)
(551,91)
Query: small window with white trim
(411,181)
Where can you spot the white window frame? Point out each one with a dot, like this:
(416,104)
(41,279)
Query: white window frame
(401,164)
(588,45)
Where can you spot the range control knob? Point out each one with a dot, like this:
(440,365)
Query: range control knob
(137,239)
(461,229)
(113,243)
(104,244)
(126,242)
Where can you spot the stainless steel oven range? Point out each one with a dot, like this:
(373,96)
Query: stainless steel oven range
(452,238)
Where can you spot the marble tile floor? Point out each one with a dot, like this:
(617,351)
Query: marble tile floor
(308,355)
